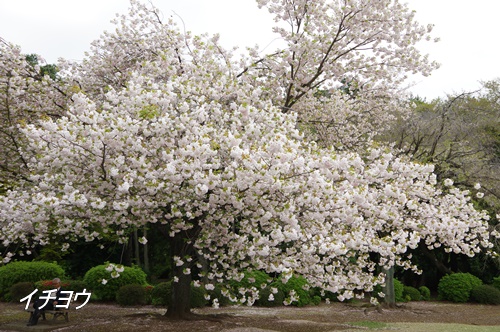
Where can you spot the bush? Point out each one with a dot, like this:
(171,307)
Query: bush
(15,272)
(161,295)
(218,293)
(316,300)
(457,287)
(485,294)
(197,297)
(297,284)
(133,294)
(20,290)
(412,293)
(496,283)
(104,287)
(74,285)
(425,292)
(148,289)
(398,291)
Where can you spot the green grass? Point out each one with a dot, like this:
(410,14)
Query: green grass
(419,327)
(441,327)
(9,316)
(369,325)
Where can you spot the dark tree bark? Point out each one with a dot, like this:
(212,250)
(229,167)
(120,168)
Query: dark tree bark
(180,306)
(137,256)
(182,245)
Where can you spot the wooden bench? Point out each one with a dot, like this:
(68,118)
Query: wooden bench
(55,313)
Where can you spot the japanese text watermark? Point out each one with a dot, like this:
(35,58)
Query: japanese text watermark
(51,295)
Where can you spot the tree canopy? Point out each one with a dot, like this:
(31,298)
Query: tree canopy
(241,157)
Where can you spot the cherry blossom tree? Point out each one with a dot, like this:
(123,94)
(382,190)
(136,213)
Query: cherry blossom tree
(168,128)
(368,45)
(26,95)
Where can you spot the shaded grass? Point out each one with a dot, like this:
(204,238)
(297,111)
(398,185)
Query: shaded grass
(9,316)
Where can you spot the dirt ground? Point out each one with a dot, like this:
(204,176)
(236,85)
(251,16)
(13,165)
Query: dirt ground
(325,317)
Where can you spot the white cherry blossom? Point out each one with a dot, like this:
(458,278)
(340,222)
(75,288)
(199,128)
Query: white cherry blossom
(244,160)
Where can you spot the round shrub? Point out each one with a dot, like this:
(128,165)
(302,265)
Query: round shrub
(457,287)
(133,294)
(15,272)
(20,290)
(161,295)
(104,286)
(485,294)
(412,293)
(425,293)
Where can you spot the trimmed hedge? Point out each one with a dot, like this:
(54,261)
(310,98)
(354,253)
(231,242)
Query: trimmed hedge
(425,292)
(133,294)
(15,272)
(411,293)
(485,294)
(19,291)
(457,287)
(104,287)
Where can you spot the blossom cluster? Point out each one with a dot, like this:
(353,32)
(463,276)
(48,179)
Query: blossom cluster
(114,271)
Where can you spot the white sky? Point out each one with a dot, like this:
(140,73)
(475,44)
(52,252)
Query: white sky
(468,50)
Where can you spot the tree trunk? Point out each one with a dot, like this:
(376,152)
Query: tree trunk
(390,296)
(137,256)
(180,303)
(147,267)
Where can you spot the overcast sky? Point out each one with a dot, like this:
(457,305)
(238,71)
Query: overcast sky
(469,50)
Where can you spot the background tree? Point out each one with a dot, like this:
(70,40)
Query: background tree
(460,135)
(326,42)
